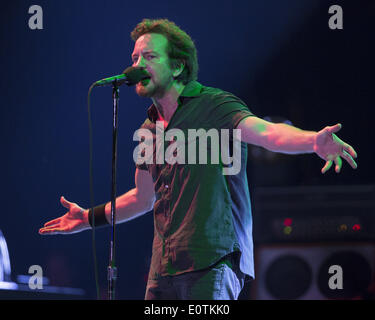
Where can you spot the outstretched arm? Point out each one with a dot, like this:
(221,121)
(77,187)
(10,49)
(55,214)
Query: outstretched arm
(135,202)
(130,205)
(280,137)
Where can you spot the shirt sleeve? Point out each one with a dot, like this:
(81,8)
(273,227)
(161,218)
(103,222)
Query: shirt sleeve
(228,111)
(142,166)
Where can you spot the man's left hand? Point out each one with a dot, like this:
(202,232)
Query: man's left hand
(331,148)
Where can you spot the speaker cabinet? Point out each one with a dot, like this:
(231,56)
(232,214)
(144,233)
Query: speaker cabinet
(302,271)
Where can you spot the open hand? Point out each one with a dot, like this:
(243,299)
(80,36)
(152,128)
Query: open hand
(331,148)
(75,220)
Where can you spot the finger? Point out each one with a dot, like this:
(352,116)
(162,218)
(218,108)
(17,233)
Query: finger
(50,227)
(349,159)
(334,128)
(52,222)
(53,230)
(49,231)
(65,202)
(350,150)
(346,146)
(338,165)
(327,166)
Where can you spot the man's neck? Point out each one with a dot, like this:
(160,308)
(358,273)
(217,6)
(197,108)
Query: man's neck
(168,103)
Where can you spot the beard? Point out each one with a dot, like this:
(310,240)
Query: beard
(145,89)
(149,89)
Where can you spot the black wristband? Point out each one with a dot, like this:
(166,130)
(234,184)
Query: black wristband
(99,216)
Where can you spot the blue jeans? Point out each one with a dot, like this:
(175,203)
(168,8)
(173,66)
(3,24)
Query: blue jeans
(222,281)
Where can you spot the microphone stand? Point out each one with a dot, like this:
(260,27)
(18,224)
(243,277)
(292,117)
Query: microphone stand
(130,76)
(112,270)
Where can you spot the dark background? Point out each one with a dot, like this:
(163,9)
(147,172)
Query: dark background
(278,56)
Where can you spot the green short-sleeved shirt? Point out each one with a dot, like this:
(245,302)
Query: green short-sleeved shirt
(200,214)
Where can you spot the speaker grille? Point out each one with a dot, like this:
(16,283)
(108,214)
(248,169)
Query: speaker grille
(288,277)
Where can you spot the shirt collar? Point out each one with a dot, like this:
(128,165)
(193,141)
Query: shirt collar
(191,90)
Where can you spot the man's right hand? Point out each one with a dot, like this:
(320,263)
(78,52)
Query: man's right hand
(75,220)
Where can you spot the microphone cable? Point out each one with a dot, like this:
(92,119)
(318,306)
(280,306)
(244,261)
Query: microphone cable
(92,203)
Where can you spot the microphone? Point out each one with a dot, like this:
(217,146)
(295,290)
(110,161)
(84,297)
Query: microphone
(130,76)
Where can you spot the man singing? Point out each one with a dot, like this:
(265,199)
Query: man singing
(202,247)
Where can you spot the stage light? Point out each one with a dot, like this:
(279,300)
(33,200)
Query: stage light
(288,222)
(4,260)
(356,227)
(288,230)
(342,228)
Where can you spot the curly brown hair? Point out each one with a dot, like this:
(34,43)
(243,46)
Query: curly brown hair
(181,47)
